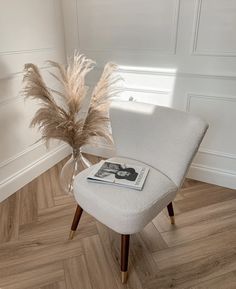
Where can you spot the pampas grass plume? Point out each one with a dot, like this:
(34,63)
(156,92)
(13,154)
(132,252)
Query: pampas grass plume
(61,121)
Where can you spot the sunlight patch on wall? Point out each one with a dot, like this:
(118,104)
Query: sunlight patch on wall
(148,84)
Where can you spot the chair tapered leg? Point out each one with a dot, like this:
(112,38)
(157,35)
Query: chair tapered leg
(124,257)
(171,213)
(75,222)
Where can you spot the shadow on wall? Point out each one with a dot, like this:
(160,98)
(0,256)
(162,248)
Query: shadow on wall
(10,114)
(4,81)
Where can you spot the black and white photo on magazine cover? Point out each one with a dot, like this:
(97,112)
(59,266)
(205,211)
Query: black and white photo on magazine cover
(119,171)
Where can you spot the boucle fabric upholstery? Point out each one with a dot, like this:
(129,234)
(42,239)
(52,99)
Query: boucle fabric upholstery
(161,138)
(124,210)
(165,138)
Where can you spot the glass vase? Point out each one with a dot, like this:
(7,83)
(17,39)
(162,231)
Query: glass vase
(71,168)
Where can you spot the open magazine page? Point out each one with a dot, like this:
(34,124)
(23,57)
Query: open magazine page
(122,174)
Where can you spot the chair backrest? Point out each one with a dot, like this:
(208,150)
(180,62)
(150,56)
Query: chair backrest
(164,138)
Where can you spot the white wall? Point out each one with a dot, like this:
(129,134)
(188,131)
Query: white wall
(178,53)
(30,31)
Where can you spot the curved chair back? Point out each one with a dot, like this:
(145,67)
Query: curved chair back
(164,138)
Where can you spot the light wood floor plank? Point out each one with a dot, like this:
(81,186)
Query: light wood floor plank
(197,253)
(76,273)
(194,272)
(55,180)
(195,250)
(62,200)
(99,270)
(199,230)
(28,204)
(111,247)
(51,286)
(110,241)
(142,260)
(162,222)
(153,238)
(9,218)
(207,197)
(25,255)
(45,192)
(226,281)
(41,276)
(58,227)
(205,213)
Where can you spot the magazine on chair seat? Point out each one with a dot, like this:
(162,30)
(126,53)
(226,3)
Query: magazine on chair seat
(120,174)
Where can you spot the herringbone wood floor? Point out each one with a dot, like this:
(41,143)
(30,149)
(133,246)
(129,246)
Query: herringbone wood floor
(199,252)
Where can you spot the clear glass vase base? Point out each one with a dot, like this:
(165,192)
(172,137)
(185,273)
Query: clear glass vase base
(71,169)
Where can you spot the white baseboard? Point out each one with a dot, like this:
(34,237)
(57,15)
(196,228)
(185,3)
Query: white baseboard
(15,175)
(16,181)
(224,178)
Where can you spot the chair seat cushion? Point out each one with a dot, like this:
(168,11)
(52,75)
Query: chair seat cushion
(124,210)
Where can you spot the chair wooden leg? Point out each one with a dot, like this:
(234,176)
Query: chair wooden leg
(124,257)
(171,213)
(75,222)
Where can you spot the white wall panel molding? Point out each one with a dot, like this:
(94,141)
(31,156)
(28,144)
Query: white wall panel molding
(146,90)
(156,96)
(197,14)
(32,169)
(168,72)
(210,97)
(22,153)
(19,96)
(25,16)
(145,70)
(16,163)
(92,32)
(217,153)
(12,65)
(27,51)
(77,22)
(222,30)
(207,76)
(168,48)
(71,22)
(19,162)
(31,31)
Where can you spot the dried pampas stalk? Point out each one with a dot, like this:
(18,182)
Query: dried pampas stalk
(62,121)
(97,120)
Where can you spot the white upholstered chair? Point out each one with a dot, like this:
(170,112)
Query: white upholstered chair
(163,139)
